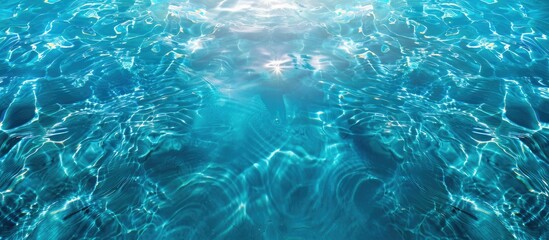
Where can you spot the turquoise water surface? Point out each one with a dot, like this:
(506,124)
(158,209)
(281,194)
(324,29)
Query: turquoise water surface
(274,119)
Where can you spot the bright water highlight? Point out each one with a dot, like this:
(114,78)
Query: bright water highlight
(241,119)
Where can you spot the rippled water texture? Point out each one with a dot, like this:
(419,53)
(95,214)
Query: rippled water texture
(266,119)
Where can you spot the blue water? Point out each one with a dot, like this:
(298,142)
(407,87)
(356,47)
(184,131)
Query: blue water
(274,119)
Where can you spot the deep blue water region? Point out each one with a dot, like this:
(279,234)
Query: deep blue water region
(274,119)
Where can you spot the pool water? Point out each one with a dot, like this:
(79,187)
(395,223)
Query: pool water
(274,119)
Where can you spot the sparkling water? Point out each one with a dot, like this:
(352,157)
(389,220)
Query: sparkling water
(274,119)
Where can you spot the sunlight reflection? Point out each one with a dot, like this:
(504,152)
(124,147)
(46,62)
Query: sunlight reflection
(277,66)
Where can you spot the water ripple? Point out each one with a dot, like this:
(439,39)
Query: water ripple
(242,119)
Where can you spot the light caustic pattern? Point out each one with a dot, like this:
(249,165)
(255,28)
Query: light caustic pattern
(165,119)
